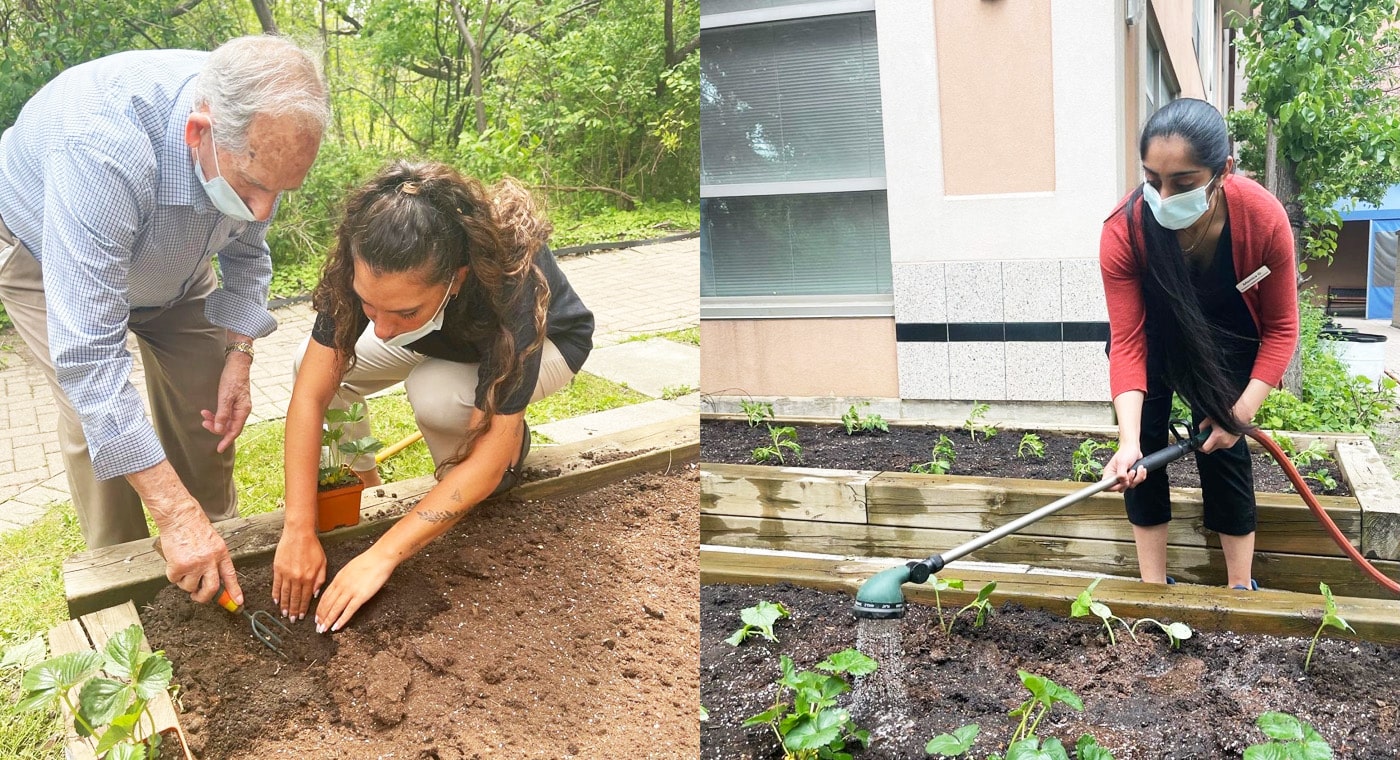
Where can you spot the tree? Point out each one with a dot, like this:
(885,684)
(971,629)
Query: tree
(1322,127)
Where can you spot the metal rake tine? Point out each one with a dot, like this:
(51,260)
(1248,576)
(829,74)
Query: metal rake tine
(266,634)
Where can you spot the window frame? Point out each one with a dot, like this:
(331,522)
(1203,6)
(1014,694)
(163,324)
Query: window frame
(792,306)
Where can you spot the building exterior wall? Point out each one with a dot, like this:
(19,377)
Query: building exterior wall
(798,357)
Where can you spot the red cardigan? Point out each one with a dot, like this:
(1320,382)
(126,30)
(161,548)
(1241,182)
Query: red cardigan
(1260,236)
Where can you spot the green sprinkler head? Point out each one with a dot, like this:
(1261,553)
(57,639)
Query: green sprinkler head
(880,598)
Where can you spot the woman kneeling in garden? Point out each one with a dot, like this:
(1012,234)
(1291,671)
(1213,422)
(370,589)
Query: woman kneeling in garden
(446,286)
(1202,299)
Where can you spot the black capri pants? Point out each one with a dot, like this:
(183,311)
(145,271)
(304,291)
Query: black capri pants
(1227,475)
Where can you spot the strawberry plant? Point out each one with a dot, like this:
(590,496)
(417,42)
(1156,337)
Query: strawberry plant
(856,422)
(756,411)
(781,438)
(1030,445)
(1289,739)
(975,424)
(1085,605)
(954,744)
(940,461)
(1025,744)
(812,727)
(111,708)
(1329,618)
(336,455)
(760,618)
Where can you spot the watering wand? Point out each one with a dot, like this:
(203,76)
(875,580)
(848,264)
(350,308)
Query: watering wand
(880,597)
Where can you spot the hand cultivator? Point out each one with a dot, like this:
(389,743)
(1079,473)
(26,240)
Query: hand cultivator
(260,620)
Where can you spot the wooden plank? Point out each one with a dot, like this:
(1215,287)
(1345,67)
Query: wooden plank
(795,493)
(66,637)
(1378,494)
(105,623)
(1280,613)
(981,504)
(105,577)
(1293,572)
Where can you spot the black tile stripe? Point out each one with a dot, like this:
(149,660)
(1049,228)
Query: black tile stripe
(998,332)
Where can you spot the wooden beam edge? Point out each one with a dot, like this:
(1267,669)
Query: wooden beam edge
(99,578)
(1280,613)
(1377,493)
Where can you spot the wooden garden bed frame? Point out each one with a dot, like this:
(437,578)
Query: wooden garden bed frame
(874,514)
(1279,613)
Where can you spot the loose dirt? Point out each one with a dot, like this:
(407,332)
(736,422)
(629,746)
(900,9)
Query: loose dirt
(1142,700)
(828,446)
(559,629)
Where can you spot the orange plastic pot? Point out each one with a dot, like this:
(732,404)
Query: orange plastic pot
(338,507)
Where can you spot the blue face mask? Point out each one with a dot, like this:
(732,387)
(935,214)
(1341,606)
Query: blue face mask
(432,325)
(220,193)
(1179,211)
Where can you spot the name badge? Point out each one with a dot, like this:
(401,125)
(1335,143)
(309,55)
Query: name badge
(1253,279)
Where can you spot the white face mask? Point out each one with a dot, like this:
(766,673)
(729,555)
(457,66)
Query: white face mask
(432,325)
(1179,211)
(220,193)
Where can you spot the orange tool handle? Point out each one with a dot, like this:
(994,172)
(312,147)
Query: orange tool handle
(226,601)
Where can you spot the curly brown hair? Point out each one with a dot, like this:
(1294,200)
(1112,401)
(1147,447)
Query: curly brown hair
(428,218)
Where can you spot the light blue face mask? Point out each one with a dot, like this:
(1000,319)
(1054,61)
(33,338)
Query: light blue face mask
(220,193)
(1179,211)
(432,325)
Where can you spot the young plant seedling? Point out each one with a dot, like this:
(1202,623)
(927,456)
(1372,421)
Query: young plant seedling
(1322,478)
(337,454)
(1176,632)
(1289,738)
(1086,605)
(975,423)
(1045,694)
(982,604)
(756,411)
(940,460)
(1031,446)
(782,438)
(856,422)
(939,586)
(954,744)
(812,727)
(1083,466)
(760,618)
(110,710)
(1329,618)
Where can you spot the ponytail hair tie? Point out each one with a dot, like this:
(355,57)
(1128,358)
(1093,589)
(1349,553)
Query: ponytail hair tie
(409,188)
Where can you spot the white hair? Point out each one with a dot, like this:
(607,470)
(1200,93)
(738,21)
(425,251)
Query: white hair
(261,74)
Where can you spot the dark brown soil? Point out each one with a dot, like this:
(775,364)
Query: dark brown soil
(558,629)
(1142,700)
(829,447)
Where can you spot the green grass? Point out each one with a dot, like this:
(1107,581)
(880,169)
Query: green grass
(689,335)
(651,220)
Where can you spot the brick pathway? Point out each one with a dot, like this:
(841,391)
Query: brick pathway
(647,289)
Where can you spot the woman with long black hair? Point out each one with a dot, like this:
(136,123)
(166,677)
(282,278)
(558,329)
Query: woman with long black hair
(1202,298)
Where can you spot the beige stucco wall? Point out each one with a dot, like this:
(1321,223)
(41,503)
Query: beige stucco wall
(996,96)
(799,357)
(1174,20)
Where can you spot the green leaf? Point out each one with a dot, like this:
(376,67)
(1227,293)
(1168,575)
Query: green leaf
(1100,609)
(102,699)
(114,735)
(26,655)
(1027,749)
(1180,631)
(1282,726)
(704,714)
(1054,749)
(1087,748)
(738,636)
(954,744)
(950,583)
(123,652)
(848,661)
(1269,751)
(816,731)
(127,752)
(153,677)
(51,678)
(1058,693)
(763,616)
(986,592)
(767,716)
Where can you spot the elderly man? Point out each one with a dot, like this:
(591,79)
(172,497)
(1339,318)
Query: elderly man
(119,181)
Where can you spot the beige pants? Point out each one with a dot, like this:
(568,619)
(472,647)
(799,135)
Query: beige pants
(183,357)
(441,392)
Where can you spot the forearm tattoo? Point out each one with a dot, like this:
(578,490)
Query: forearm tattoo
(437,515)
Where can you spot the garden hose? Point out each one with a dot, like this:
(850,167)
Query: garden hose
(1321,514)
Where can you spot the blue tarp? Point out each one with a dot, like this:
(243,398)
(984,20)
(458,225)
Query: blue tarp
(1380,269)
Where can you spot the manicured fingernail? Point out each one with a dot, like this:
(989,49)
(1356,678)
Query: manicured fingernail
(316,594)
(320,628)
(284,614)
(335,627)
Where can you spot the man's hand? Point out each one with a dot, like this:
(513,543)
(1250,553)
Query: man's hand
(197,560)
(355,584)
(298,572)
(235,400)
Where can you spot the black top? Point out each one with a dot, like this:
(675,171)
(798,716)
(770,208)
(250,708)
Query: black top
(470,325)
(1221,303)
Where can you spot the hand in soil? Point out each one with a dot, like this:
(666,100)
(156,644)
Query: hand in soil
(355,584)
(298,572)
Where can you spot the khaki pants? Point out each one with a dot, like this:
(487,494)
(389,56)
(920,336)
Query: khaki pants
(183,357)
(442,393)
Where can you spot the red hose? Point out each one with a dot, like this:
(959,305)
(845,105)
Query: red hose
(1320,513)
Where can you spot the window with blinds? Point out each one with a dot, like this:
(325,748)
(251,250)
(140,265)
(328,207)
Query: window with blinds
(792,157)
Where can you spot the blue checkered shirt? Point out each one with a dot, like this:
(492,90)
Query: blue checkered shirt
(97,182)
